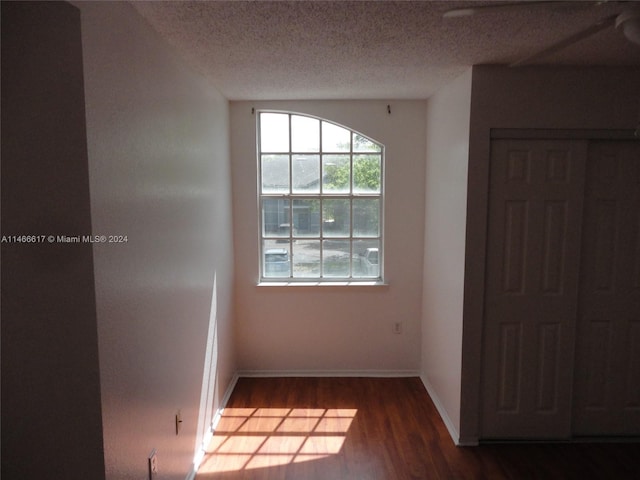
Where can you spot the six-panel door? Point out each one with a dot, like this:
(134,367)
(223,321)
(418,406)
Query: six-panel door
(607,371)
(533,253)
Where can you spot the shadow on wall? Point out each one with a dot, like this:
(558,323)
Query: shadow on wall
(50,370)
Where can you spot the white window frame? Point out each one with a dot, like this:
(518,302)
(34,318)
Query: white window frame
(321,196)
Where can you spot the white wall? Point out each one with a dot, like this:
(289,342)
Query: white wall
(338,329)
(448,114)
(159,173)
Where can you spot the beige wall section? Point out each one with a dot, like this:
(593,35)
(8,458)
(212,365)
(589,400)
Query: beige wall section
(335,328)
(448,114)
(526,98)
(159,173)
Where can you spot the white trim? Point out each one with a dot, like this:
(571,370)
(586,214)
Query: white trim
(327,373)
(228,392)
(214,423)
(324,283)
(453,431)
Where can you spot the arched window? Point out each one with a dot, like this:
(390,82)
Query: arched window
(321,200)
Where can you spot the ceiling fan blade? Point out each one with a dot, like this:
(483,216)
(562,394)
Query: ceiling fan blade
(510,7)
(576,37)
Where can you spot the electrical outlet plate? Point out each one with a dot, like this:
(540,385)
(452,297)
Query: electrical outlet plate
(153,464)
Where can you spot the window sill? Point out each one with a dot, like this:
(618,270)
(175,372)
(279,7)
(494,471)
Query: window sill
(340,284)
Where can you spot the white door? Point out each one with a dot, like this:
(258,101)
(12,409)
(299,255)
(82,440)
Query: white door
(607,373)
(533,253)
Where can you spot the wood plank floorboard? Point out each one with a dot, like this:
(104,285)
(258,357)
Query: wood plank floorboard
(378,429)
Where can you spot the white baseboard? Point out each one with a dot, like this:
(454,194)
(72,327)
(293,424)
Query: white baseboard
(228,391)
(453,431)
(328,373)
(192,474)
(214,422)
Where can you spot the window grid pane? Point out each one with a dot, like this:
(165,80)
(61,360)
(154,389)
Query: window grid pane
(321,213)
(305,173)
(274,133)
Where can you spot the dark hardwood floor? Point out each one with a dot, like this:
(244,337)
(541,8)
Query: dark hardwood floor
(382,429)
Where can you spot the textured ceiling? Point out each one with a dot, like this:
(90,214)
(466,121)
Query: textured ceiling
(263,50)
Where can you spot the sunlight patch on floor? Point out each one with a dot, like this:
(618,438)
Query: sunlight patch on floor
(249,438)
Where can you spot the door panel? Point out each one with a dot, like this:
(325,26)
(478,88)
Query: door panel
(555,226)
(607,379)
(632,396)
(597,363)
(548,366)
(515,236)
(535,215)
(510,366)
